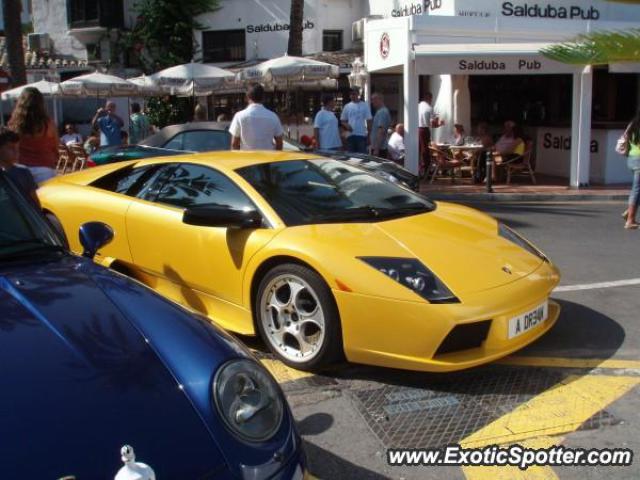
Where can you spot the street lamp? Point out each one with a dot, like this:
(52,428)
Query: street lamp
(359,75)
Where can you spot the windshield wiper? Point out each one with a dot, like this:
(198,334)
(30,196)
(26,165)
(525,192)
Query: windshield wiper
(346,214)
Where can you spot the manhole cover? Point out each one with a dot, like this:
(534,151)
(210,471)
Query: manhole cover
(451,408)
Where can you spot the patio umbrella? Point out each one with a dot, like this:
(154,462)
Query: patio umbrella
(282,71)
(48,89)
(193,79)
(147,86)
(98,84)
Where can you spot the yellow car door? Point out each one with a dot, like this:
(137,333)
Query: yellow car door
(199,266)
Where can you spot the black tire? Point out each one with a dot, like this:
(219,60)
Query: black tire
(57,227)
(331,349)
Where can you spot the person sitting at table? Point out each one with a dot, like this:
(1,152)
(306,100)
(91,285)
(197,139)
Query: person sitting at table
(395,145)
(458,135)
(483,135)
(70,135)
(510,144)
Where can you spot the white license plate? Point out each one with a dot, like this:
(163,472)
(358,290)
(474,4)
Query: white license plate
(528,320)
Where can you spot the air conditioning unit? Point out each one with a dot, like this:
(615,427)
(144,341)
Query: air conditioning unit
(357,31)
(38,42)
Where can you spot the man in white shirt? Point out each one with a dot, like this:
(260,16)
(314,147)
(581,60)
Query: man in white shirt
(325,126)
(356,118)
(395,146)
(426,120)
(70,135)
(255,127)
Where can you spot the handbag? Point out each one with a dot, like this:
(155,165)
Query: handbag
(622,145)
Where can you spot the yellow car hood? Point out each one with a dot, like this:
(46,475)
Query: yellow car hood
(460,245)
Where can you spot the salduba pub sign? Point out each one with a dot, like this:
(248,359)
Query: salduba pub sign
(566,10)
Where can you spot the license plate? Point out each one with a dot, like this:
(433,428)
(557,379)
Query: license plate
(528,320)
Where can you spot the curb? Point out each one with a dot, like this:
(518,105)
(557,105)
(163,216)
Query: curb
(526,197)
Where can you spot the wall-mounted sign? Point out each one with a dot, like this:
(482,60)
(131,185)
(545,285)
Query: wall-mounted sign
(416,8)
(385,45)
(276,27)
(536,10)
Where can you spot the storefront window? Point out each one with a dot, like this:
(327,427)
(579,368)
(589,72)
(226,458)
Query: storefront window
(223,46)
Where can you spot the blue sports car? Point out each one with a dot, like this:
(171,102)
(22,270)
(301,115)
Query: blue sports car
(91,361)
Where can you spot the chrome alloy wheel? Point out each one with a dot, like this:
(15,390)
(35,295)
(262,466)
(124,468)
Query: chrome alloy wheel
(292,318)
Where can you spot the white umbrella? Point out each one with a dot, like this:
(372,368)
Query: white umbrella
(282,71)
(193,79)
(46,88)
(147,86)
(98,84)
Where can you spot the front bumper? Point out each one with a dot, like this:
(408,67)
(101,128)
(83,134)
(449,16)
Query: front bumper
(407,335)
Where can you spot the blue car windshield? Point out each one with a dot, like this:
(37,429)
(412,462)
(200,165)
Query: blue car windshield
(304,192)
(23,230)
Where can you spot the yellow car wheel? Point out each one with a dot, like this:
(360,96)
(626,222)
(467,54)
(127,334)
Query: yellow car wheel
(297,317)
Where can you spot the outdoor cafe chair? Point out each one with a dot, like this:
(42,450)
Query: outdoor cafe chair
(442,162)
(80,156)
(65,160)
(520,164)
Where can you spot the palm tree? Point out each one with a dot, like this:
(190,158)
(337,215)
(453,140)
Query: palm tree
(12,12)
(598,48)
(295,28)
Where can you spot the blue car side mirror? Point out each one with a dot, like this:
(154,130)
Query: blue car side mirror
(94,236)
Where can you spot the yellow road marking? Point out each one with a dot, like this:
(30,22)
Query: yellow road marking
(560,362)
(281,372)
(561,409)
(514,473)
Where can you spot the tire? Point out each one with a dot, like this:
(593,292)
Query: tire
(57,227)
(297,317)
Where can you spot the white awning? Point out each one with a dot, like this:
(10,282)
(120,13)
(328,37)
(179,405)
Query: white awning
(487,59)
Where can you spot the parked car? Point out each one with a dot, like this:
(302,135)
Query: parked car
(92,361)
(213,136)
(320,258)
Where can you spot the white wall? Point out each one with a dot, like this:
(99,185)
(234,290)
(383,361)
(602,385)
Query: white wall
(320,14)
(50,16)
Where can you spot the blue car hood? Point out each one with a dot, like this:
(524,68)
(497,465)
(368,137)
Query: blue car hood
(78,380)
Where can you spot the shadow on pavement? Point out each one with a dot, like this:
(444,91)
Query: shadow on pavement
(315,424)
(326,465)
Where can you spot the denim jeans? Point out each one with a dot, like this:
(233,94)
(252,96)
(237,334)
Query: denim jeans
(42,174)
(634,196)
(357,144)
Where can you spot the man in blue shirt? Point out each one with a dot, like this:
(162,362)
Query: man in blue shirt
(109,125)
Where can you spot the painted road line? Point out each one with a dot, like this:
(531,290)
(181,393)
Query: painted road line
(596,286)
(561,409)
(514,473)
(559,362)
(281,372)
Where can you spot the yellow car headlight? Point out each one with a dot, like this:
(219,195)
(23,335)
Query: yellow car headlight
(415,276)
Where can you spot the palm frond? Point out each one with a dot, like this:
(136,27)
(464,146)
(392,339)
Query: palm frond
(598,48)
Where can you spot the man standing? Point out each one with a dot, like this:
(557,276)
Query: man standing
(426,120)
(138,124)
(356,118)
(109,125)
(325,126)
(380,126)
(256,127)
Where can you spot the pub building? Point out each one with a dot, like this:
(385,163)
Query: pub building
(481,60)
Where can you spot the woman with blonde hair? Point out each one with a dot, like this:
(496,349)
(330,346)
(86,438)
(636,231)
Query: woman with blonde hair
(38,136)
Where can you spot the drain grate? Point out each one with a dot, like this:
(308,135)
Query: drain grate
(454,406)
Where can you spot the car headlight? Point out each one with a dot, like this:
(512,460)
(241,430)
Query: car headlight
(248,400)
(514,237)
(413,275)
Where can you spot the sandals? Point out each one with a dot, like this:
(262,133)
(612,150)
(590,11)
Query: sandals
(625,214)
(631,226)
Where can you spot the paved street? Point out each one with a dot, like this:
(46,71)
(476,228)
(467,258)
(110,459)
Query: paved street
(577,386)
